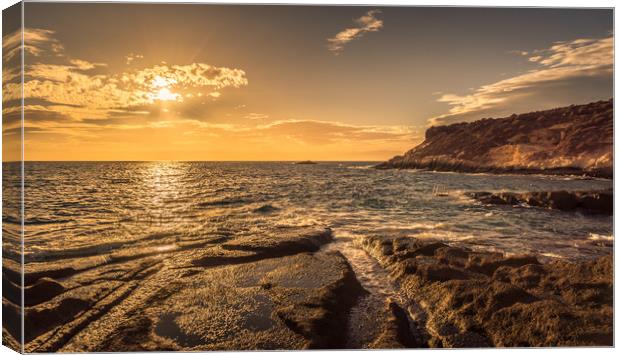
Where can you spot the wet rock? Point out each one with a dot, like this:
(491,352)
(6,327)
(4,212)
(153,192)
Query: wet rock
(43,290)
(488,264)
(504,295)
(563,200)
(40,319)
(290,302)
(547,323)
(58,319)
(9,340)
(452,253)
(254,248)
(466,340)
(234,292)
(402,244)
(11,323)
(527,276)
(592,202)
(474,299)
(405,267)
(322,321)
(397,332)
(440,273)
(10,290)
(429,249)
(598,202)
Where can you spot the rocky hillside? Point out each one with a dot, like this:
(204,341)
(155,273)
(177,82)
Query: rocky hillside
(577,139)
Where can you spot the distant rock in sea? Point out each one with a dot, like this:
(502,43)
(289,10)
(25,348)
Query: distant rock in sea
(306,162)
(573,140)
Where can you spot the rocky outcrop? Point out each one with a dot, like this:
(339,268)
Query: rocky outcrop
(572,140)
(286,289)
(272,291)
(591,202)
(481,299)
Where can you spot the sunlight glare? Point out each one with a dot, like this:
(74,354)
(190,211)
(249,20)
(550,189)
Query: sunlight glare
(165,94)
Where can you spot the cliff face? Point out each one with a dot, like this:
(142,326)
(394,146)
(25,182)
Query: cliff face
(577,139)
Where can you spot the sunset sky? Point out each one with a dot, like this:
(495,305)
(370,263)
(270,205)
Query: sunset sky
(212,82)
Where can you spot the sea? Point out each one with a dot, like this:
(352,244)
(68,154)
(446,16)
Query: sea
(75,209)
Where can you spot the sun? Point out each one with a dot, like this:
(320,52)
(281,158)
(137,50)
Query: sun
(161,89)
(164,94)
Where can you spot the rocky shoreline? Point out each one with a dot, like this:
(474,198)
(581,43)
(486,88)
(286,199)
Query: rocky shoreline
(286,290)
(441,165)
(479,299)
(573,140)
(591,202)
(276,291)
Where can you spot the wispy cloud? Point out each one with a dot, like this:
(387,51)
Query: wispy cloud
(326,132)
(563,70)
(256,116)
(36,42)
(367,23)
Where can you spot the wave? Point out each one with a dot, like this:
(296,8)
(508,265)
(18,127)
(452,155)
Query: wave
(119,181)
(552,255)
(11,219)
(362,167)
(40,220)
(39,254)
(223,202)
(600,237)
(253,199)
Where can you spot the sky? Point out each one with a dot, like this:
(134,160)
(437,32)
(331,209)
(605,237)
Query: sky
(231,82)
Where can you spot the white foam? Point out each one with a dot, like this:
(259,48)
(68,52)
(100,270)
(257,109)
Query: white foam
(552,255)
(594,236)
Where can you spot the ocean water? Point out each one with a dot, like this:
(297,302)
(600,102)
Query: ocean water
(80,209)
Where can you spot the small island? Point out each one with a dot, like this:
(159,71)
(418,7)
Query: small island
(306,162)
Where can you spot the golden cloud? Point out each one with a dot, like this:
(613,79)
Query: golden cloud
(36,42)
(367,23)
(75,91)
(313,131)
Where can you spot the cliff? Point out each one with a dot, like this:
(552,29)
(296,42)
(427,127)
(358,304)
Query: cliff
(577,139)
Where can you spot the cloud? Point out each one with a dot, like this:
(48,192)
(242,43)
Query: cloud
(365,24)
(95,111)
(36,42)
(256,116)
(327,132)
(129,58)
(568,72)
(310,132)
(79,64)
(73,88)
